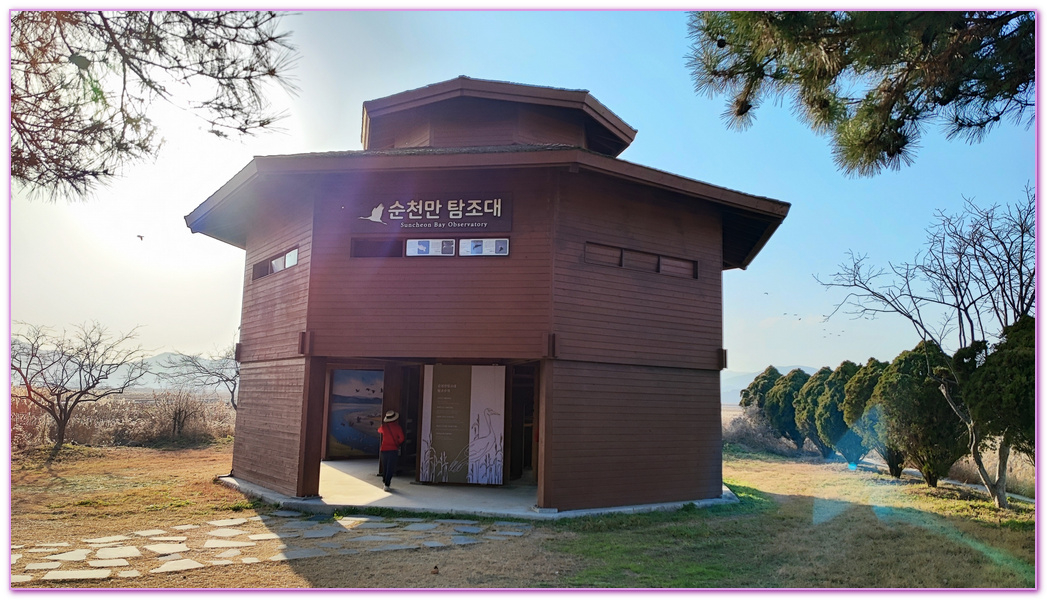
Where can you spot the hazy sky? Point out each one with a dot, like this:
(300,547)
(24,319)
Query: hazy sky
(80,261)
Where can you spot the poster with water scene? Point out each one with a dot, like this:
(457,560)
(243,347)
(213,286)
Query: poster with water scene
(355,413)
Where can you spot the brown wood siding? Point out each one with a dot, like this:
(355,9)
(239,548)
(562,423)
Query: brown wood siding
(267,445)
(634,314)
(618,435)
(473,122)
(438,307)
(548,125)
(275,306)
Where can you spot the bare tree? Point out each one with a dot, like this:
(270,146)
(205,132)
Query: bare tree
(177,408)
(214,371)
(975,276)
(82,83)
(58,372)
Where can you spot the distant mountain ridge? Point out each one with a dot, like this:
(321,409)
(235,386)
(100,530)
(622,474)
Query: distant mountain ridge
(733,382)
(154,379)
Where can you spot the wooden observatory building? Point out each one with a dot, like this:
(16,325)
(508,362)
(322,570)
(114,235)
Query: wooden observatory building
(534,307)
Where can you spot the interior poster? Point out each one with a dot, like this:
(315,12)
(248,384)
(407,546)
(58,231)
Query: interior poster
(463,424)
(355,413)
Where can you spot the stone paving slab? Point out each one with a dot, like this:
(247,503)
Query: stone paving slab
(346,551)
(227,544)
(272,536)
(226,533)
(409,519)
(299,525)
(286,513)
(70,556)
(393,547)
(468,529)
(177,565)
(433,544)
(421,527)
(166,548)
(150,532)
(258,518)
(21,578)
(118,552)
(47,566)
(227,522)
(109,545)
(15,557)
(169,557)
(128,574)
(112,562)
(371,538)
(229,553)
(496,538)
(107,540)
(18,547)
(375,525)
(185,527)
(457,521)
(362,518)
(463,540)
(250,560)
(298,553)
(508,533)
(169,538)
(73,575)
(325,532)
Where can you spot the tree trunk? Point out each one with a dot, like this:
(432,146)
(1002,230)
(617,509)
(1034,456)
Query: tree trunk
(895,460)
(1001,471)
(976,455)
(59,439)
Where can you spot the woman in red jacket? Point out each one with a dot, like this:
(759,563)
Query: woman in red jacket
(392,437)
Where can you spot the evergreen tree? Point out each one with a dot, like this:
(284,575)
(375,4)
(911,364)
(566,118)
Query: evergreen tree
(806,403)
(1001,392)
(82,83)
(871,79)
(917,419)
(755,393)
(779,409)
(828,415)
(864,417)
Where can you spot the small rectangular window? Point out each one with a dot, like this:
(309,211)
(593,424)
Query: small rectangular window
(598,254)
(365,248)
(275,264)
(677,267)
(640,261)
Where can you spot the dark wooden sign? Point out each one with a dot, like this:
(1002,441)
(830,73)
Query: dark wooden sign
(442,215)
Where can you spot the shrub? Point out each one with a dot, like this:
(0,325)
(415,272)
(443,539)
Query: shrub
(753,432)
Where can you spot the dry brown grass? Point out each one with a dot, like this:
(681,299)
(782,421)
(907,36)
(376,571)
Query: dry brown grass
(1021,472)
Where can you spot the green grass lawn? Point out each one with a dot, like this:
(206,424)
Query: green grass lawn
(811,524)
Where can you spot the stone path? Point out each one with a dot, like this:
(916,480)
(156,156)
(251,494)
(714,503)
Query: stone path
(282,535)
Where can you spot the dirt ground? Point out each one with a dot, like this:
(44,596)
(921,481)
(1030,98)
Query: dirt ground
(93,493)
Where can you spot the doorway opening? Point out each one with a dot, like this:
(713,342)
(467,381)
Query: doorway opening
(523,446)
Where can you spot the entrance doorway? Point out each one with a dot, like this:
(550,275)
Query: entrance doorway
(523,393)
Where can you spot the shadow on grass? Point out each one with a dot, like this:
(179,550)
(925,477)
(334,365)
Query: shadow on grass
(797,542)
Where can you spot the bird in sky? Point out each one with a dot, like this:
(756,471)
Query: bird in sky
(376,215)
(141,237)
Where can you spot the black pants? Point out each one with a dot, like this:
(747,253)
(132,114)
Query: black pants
(389,459)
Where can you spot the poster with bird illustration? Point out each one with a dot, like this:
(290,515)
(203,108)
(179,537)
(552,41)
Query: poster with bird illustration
(462,436)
